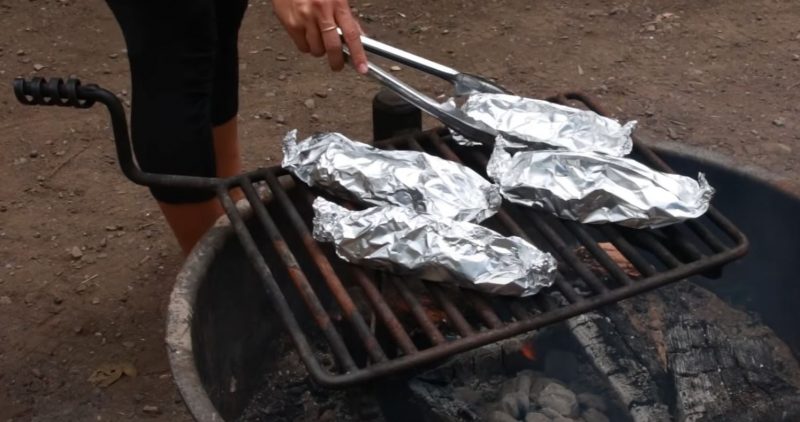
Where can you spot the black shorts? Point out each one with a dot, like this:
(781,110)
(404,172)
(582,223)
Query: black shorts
(185,80)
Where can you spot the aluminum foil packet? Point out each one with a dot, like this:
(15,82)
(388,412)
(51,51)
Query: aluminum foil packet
(526,123)
(356,171)
(400,240)
(595,188)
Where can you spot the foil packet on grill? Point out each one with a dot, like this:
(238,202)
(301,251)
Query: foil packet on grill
(527,123)
(400,240)
(595,188)
(356,171)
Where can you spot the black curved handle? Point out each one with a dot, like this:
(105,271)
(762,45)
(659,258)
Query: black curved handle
(71,93)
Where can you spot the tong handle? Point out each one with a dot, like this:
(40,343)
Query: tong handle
(409,59)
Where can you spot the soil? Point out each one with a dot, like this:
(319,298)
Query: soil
(87,262)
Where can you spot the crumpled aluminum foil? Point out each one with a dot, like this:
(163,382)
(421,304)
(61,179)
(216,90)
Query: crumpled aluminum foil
(357,171)
(526,123)
(595,188)
(400,240)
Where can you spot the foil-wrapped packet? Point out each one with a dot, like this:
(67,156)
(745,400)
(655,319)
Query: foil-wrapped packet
(595,188)
(356,171)
(527,123)
(400,240)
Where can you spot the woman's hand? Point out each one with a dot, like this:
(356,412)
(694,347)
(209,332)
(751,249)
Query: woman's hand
(312,26)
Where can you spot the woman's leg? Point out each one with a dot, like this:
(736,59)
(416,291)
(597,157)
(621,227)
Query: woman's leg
(173,51)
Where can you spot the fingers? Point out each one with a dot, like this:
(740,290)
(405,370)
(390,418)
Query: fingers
(333,44)
(351,31)
(314,39)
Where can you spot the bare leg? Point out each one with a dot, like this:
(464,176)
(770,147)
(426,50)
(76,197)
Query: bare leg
(189,222)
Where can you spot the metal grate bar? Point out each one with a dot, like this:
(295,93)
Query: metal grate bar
(456,318)
(650,242)
(679,239)
(328,273)
(427,326)
(484,310)
(598,253)
(296,273)
(384,311)
(279,300)
(628,250)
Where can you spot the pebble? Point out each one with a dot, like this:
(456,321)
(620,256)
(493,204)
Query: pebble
(58,300)
(151,410)
(280,120)
(5,300)
(113,55)
(282,77)
(321,94)
(38,66)
(516,404)
(20,52)
(33,154)
(779,122)
(560,399)
(795,58)
(594,415)
(75,252)
(309,103)
(536,417)
(315,117)
(281,58)
(395,68)
(592,401)
(498,416)
(95,300)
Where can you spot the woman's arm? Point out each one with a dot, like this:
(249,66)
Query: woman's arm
(312,26)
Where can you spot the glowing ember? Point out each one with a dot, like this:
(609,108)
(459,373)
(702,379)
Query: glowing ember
(528,351)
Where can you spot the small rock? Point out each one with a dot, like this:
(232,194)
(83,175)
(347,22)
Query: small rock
(151,410)
(282,77)
(112,228)
(498,416)
(75,252)
(113,55)
(777,148)
(779,122)
(58,300)
(525,381)
(594,415)
(77,330)
(395,68)
(315,117)
(95,300)
(37,66)
(280,120)
(33,154)
(550,413)
(309,103)
(593,401)
(536,417)
(5,300)
(672,133)
(795,57)
(321,94)
(560,399)
(515,404)
(445,31)
(650,28)
(281,58)
(265,115)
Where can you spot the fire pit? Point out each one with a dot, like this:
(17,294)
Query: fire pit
(230,354)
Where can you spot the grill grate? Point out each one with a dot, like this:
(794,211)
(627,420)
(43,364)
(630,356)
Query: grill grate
(416,332)
(376,325)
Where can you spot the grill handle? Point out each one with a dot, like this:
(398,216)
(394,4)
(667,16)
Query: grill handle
(71,93)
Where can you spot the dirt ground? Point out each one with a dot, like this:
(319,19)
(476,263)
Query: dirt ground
(87,263)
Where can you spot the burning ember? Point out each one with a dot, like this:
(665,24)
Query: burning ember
(528,351)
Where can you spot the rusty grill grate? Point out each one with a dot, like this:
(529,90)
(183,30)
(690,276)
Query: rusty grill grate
(376,325)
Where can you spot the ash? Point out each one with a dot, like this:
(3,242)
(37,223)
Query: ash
(288,394)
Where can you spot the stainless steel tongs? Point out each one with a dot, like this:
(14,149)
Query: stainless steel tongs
(463,84)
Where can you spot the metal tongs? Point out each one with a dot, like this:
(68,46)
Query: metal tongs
(463,84)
